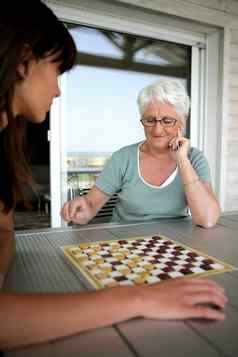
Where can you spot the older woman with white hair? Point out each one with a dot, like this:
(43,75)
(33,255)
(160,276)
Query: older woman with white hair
(159,177)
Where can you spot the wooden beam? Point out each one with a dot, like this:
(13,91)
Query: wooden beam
(120,64)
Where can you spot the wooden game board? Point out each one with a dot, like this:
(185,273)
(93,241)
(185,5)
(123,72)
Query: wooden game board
(140,260)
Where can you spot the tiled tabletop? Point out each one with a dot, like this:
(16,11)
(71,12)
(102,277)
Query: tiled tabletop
(40,266)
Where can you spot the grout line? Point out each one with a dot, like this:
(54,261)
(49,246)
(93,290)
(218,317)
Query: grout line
(126,341)
(212,344)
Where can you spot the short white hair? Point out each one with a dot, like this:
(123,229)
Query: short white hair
(165,91)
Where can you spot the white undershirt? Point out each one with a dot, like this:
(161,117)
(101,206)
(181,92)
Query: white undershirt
(165,183)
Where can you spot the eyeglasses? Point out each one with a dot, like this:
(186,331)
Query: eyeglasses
(165,121)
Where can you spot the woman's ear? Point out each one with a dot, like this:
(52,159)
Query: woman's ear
(22,70)
(23,66)
(182,127)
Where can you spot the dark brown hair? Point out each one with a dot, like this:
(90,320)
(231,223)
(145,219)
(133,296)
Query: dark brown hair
(24,24)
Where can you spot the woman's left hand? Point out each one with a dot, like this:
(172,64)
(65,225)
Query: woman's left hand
(179,146)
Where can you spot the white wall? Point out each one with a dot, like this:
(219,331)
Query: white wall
(232,125)
(203,16)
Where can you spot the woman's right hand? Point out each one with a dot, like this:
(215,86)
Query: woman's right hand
(183,298)
(83,208)
(78,211)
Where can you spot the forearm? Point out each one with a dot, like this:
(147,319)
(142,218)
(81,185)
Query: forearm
(7,249)
(95,199)
(204,208)
(36,318)
(7,241)
(203,205)
(92,209)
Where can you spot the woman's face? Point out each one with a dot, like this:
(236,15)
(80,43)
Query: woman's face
(158,136)
(34,94)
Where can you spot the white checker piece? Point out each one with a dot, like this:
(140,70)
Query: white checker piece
(197,270)
(125,261)
(137,251)
(121,267)
(138,270)
(103,252)
(97,271)
(108,247)
(143,263)
(152,254)
(147,259)
(167,255)
(163,260)
(111,260)
(80,255)
(160,265)
(157,271)
(88,263)
(197,264)
(152,279)
(170,250)
(128,246)
(95,257)
(131,256)
(115,274)
(107,281)
(217,266)
(126,282)
(105,265)
(199,258)
(175,274)
(180,263)
(131,276)
(183,257)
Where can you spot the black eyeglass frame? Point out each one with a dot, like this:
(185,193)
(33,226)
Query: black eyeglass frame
(161,121)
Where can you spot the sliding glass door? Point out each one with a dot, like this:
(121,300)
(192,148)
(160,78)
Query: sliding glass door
(98,109)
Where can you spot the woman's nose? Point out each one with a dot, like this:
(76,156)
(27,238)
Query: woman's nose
(158,127)
(58,91)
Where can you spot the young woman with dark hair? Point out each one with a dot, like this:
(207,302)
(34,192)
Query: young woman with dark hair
(35,48)
(30,37)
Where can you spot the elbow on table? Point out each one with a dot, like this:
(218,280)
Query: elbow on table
(208,219)
(207,225)
(207,222)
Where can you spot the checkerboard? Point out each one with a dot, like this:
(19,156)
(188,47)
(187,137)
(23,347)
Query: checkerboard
(140,260)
